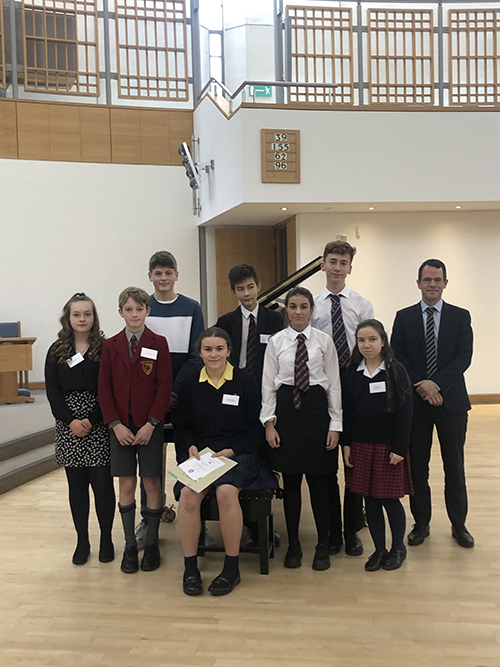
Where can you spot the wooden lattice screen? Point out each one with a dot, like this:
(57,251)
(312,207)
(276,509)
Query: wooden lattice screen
(400,56)
(321,53)
(474,56)
(60,46)
(152,53)
(2,52)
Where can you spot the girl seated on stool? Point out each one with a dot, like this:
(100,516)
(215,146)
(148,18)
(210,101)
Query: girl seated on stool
(378,409)
(218,408)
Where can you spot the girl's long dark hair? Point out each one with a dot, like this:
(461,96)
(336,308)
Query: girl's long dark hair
(397,381)
(64,347)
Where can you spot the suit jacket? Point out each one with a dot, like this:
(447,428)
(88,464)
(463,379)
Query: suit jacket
(268,322)
(143,384)
(454,352)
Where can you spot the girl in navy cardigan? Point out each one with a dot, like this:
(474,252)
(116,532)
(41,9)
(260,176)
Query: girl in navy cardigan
(378,408)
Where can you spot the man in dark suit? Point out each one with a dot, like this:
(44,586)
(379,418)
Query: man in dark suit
(250,325)
(433,340)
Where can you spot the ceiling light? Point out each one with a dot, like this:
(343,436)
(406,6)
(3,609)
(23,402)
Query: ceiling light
(284,208)
(458,207)
(371,208)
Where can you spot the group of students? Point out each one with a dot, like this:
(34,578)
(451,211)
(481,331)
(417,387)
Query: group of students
(271,398)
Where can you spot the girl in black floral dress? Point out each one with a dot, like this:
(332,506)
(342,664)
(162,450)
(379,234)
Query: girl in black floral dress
(82,440)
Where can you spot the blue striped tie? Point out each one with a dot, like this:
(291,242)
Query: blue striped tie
(430,342)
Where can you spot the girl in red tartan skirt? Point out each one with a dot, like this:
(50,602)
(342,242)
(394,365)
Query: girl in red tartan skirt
(378,409)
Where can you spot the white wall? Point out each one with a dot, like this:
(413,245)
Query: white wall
(393,245)
(70,227)
(354,156)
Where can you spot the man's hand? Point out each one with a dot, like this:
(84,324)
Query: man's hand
(436,400)
(426,389)
(332,440)
(143,435)
(124,435)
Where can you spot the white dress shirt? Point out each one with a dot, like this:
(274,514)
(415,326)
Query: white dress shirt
(245,325)
(355,308)
(279,368)
(366,372)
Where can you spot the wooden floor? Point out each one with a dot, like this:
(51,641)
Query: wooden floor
(442,608)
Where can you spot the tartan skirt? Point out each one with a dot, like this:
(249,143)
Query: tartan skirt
(373,475)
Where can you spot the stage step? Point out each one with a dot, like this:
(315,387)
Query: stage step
(26,458)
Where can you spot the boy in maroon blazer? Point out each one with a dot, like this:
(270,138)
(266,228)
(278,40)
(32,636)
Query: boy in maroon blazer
(135,383)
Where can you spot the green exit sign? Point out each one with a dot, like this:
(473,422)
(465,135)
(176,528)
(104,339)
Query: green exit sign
(261,91)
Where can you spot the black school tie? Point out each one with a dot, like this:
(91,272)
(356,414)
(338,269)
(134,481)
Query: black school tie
(251,366)
(301,373)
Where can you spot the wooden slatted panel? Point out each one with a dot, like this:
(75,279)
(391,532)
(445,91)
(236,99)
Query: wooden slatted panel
(474,56)
(2,52)
(152,53)
(60,46)
(400,56)
(321,53)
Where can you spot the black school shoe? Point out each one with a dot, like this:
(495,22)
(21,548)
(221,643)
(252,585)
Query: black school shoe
(321,558)
(353,545)
(81,554)
(376,561)
(130,560)
(395,559)
(221,586)
(151,559)
(293,557)
(192,585)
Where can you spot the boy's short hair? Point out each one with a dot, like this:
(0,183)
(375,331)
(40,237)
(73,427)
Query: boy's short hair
(162,258)
(139,295)
(339,248)
(242,272)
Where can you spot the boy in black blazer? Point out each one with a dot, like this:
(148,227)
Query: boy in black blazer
(250,325)
(433,340)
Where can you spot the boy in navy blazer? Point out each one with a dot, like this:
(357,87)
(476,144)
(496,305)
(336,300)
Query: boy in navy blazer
(433,340)
(135,383)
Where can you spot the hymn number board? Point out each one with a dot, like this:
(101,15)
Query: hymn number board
(280,156)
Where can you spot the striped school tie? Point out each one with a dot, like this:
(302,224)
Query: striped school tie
(430,342)
(133,345)
(251,365)
(301,372)
(338,331)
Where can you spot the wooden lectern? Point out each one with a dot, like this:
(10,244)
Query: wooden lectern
(15,355)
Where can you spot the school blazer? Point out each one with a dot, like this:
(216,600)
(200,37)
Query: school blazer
(454,352)
(268,322)
(143,384)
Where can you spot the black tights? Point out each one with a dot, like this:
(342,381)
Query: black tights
(292,500)
(99,477)
(376,521)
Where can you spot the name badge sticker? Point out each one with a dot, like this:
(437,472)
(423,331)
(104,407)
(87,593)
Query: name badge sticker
(264,338)
(230,399)
(75,360)
(149,353)
(377,387)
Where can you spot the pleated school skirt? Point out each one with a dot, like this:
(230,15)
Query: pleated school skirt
(373,475)
(303,433)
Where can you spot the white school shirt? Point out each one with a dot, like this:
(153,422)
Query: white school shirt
(366,372)
(355,308)
(279,368)
(245,325)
